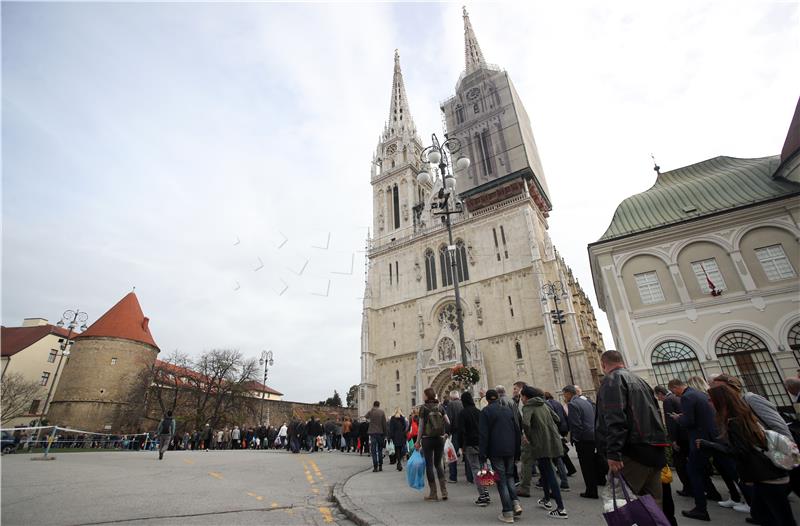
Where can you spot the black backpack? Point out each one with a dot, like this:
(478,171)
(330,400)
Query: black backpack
(165,428)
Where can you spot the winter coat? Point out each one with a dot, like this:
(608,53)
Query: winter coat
(627,415)
(581,419)
(767,414)
(453,410)
(540,425)
(697,416)
(499,432)
(377,421)
(558,409)
(469,426)
(397,430)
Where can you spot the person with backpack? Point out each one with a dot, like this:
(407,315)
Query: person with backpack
(746,442)
(166,429)
(430,438)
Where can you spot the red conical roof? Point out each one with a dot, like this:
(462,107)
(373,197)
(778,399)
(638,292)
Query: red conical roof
(124,320)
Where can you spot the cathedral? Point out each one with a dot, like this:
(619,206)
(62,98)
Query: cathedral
(504,257)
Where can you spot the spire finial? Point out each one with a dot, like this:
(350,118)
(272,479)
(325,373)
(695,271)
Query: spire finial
(472,50)
(399,114)
(656,167)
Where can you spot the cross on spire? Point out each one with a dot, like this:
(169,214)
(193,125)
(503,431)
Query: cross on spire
(472,50)
(399,114)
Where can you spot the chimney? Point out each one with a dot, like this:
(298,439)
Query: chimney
(34,322)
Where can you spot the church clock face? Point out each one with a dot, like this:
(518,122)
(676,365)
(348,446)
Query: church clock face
(473,94)
(391,149)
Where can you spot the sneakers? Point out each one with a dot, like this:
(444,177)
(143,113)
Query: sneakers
(517,509)
(546,504)
(559,514)
(508,519)
(728,503)
(741,507)
(483,501)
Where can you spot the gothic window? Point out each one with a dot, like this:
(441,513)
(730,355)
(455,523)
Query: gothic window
(496,246)
(475,108)
(390,273)
(446,350)
(396,273)
(672,359)
(485,146)
(397,374)
(447,270)
(518,349)
(794,341)
(447,316)
(430,269)
(462,271)
(405,151)
(746,356)
(503,237)
(396,206)
(510,307)
(389,213)
(459,114)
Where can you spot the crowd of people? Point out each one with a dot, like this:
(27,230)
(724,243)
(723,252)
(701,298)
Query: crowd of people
(624,435)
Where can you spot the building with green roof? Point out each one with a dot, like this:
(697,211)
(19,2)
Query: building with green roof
(699,274)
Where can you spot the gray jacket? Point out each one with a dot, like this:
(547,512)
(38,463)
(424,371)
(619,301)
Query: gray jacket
(767,414)
(581,419)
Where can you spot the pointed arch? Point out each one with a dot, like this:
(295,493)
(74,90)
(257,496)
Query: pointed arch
(430,269)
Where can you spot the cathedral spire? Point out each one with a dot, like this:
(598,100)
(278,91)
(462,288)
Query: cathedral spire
(399,114)
(472,50)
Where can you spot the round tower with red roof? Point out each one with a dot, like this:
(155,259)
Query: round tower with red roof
(107,360)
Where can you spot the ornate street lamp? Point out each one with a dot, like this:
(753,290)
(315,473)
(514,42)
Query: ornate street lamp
(556,290)
(265,360)
(440,157)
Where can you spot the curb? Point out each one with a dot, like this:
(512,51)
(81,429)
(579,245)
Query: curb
(349,508)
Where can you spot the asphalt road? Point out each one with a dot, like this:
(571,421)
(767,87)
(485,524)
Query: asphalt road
(205,488)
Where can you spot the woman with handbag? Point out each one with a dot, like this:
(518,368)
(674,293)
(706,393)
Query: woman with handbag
(747,444)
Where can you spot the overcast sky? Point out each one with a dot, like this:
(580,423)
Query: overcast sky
(140,141)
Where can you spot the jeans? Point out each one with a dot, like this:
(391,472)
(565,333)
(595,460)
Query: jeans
(163,443)
(474,464)
(562,471)
(698,463)
(504,468)
(453,466)
(549,483)
(771,504)
(527,462)
(376,447)
(432,450)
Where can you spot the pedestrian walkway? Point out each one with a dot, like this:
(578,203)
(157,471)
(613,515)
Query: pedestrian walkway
(384,498)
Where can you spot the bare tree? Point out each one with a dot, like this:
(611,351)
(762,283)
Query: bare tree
(221,385)
(17,396)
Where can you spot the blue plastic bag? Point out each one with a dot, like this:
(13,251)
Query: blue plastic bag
(415,471)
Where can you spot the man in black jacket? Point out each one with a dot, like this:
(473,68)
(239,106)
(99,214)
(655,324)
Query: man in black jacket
(629,429)
(469,424)
(581,427)
(500,443)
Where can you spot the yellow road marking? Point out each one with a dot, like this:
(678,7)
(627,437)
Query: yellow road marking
(216,475)
(188,461)
(273,505)
(326,514)
(251,494)
(259,497)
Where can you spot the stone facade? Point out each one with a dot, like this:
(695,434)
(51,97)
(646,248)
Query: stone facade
(96,384)
(503,252)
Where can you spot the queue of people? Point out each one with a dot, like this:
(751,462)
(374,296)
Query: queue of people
(624,434)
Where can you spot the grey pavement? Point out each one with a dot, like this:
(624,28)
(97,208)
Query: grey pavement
(384,498)
(187,487)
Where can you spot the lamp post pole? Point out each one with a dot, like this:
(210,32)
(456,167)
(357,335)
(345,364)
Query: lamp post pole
(265,360)
(70,318)
(555,290)
(445,205)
